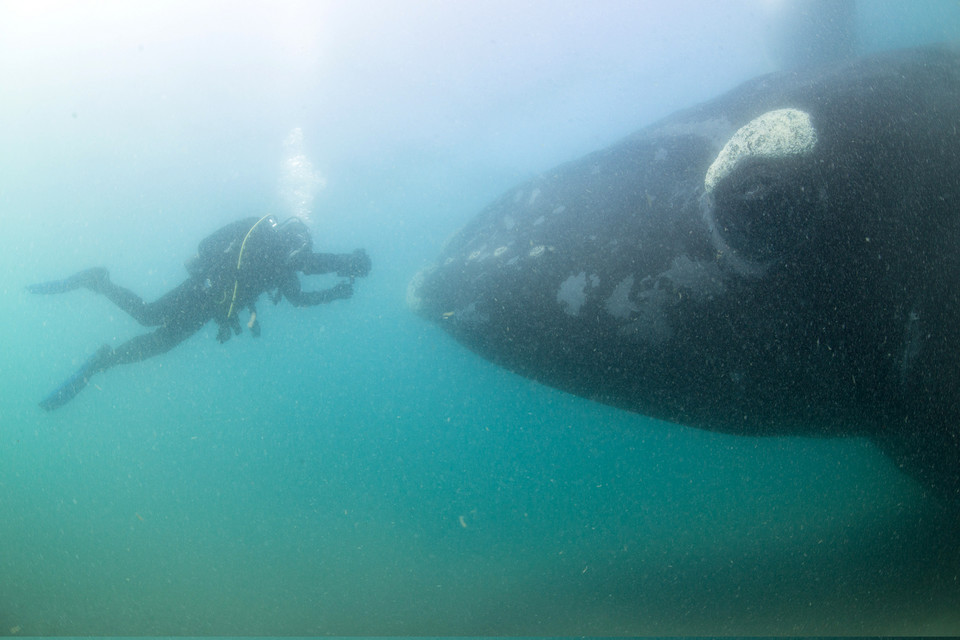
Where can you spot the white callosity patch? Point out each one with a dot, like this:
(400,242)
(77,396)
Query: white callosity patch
(775,134)
(701,280)
(645,313)
(573,292)
(645,319)
(510,230)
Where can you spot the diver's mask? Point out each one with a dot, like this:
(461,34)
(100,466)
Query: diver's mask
(295,237)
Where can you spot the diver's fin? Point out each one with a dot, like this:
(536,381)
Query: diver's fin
(75,383)
(65,392)
(90,278)
(54,286)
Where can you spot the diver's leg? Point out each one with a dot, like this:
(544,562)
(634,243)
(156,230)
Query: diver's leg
(149,345)
(152,314)
(98,281)
(128,302)
(180,306)
(134,350)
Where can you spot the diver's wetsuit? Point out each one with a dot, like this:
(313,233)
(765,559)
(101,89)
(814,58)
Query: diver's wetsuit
(233,268)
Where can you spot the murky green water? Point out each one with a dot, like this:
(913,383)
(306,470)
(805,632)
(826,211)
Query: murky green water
(354,471)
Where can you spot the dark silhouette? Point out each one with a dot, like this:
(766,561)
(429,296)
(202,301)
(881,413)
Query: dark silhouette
(233,266)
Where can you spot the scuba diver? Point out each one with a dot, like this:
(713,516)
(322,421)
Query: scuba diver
(232,267)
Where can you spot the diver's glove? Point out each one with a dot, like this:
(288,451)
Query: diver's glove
(254,323)
(342,291)
(355,265)
(223,333)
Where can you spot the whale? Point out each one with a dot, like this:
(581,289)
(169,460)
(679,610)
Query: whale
(783,260)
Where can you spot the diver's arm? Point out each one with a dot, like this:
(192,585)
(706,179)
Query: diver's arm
(290,288)
(345,265)
(316,263)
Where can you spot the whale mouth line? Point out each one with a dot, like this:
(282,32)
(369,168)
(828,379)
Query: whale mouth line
(727,256)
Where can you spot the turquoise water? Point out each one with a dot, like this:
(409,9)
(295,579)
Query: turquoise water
(354,471)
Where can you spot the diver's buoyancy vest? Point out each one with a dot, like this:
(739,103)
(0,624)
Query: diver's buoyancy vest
(228,259)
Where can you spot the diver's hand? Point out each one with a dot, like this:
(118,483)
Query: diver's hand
(355,265)
(342,291)
(223,333)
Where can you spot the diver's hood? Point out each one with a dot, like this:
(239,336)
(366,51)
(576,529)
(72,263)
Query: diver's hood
(295,236)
